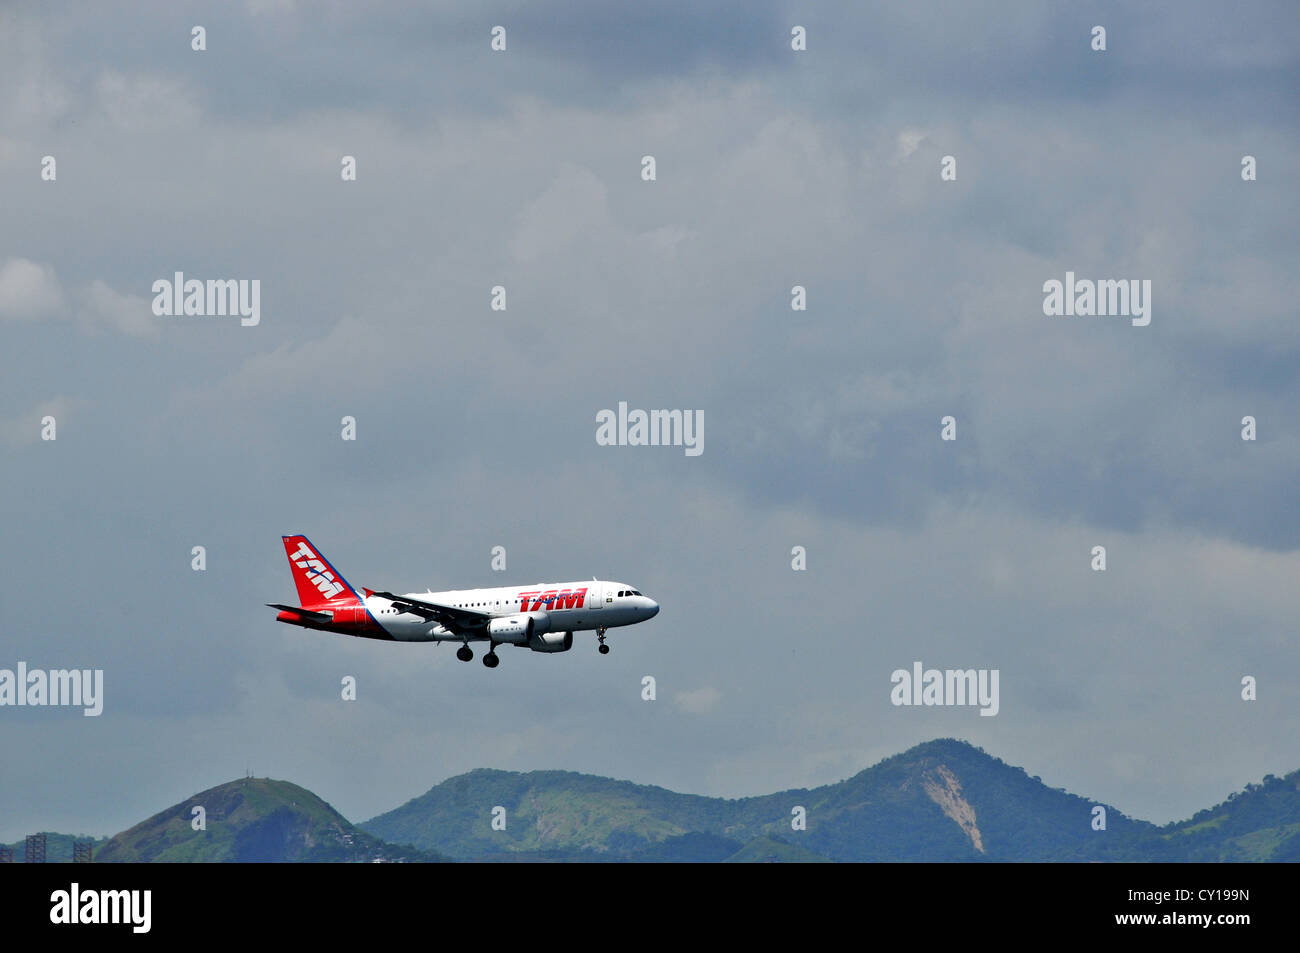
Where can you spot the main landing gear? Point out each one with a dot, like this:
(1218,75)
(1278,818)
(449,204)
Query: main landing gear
(600,634)
(491,660)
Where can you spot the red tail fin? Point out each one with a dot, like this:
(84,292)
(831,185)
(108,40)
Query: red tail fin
(319,584)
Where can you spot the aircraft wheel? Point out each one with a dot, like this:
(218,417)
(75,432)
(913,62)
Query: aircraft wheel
(491,660)
(465,653)
(604,649)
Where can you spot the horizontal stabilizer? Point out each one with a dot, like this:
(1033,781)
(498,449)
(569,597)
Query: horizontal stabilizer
(305,614)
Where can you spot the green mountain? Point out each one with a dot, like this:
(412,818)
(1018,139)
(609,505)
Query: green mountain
(940,801)
(253,820)
(693,847)
(770,849)
(557,811)
(1261,823)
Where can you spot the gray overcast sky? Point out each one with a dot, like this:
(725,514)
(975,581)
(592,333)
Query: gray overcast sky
(476,428)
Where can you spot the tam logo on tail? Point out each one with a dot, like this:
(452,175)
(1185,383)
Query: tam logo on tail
(320,577)
(318,582)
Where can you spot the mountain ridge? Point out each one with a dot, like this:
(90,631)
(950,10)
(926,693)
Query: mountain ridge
(944,800)
(251,820)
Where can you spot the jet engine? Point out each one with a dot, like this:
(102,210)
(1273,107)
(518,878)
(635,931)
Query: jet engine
(551,642)
(521,628)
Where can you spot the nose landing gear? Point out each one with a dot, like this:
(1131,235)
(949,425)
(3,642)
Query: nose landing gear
(600,634)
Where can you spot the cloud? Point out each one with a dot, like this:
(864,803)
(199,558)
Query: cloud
(700,701)
(28,290)
(24,429)
(129,314)
(476,427)
(135,102)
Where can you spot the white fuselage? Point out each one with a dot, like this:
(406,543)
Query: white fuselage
(570,607)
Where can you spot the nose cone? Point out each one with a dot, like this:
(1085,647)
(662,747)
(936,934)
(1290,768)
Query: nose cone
(653,609)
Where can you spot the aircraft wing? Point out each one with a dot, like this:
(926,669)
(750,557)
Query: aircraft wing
(450,617)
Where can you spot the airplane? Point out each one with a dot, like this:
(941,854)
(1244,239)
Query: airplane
(542,616)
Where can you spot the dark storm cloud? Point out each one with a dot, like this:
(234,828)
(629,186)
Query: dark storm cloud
(821,427)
